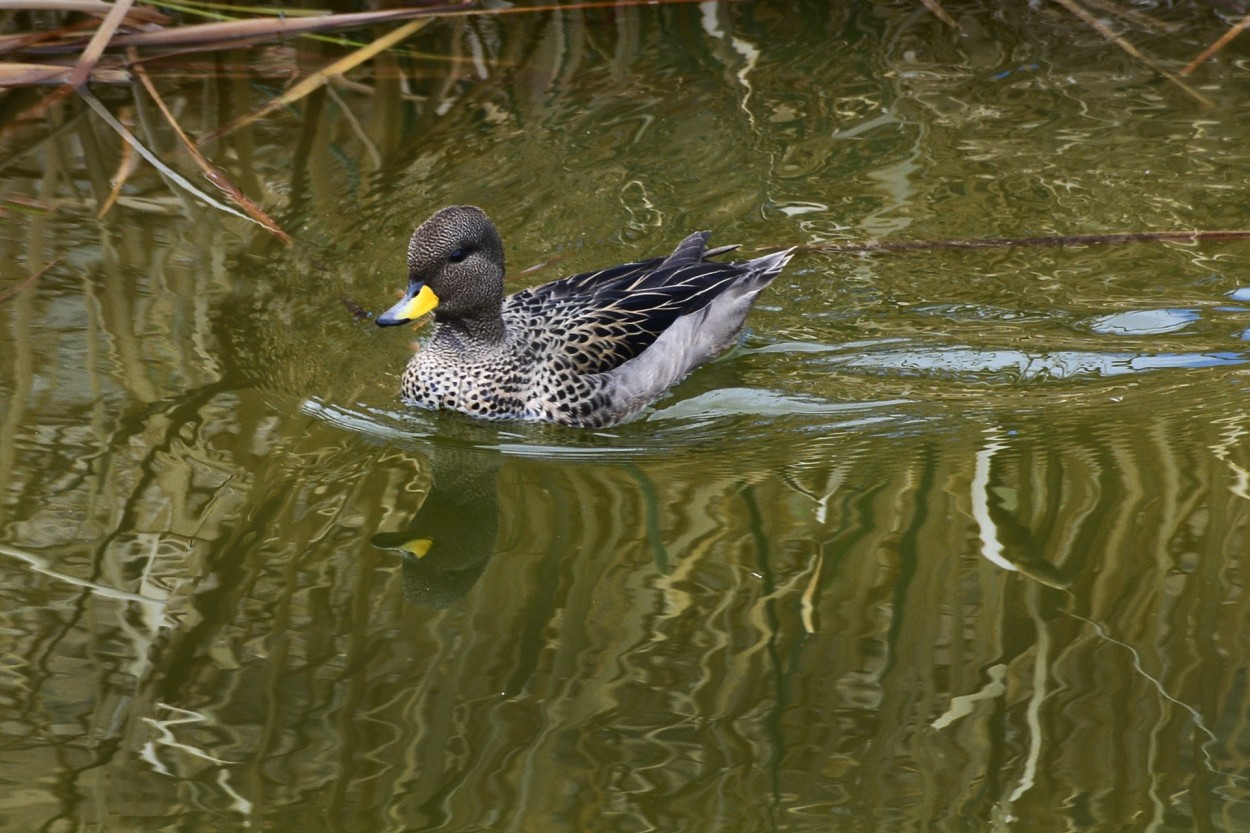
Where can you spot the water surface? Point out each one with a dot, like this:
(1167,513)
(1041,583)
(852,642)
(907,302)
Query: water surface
(951,540)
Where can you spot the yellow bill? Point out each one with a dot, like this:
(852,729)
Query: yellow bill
(419,300)
(417,546)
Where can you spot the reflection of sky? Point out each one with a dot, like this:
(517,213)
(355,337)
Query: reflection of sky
(907,357)
(1144,322)
(1059,364)
(757,401)
(903,356)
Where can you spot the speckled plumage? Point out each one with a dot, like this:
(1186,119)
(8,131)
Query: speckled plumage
(589,350)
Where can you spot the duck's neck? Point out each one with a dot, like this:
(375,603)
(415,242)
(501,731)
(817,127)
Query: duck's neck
(487,330)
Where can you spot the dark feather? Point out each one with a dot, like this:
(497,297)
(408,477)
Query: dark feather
(603,319)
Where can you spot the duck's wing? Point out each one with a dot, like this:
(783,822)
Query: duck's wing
(600,324)
(578,285)
(691,250)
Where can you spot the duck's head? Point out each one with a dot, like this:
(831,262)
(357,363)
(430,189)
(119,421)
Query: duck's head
(455,264)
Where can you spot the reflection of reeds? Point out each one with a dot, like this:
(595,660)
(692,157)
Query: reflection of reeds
(321,77)
(1102,29)
(675,674)
(205,36)
(212,173)
(126,38)
(9,293)
(131,28)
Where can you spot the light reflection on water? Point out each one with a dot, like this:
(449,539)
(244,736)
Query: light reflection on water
(951,541)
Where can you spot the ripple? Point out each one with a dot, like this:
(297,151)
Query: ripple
(1144,322)
(1054,365)
(727,423)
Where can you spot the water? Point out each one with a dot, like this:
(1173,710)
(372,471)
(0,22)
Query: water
(951,540)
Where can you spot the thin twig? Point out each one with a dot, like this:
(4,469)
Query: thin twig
(169,172)
(1100,27)
(1135,17)
(211,172)
(1111,238)
(478,11)
(1218,45)
(13,292)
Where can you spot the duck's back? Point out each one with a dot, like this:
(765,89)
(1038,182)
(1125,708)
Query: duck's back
(608,343)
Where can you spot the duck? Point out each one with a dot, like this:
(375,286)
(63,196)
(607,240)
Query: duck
(587,351)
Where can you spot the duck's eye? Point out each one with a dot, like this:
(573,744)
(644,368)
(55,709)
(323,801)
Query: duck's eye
(458,255)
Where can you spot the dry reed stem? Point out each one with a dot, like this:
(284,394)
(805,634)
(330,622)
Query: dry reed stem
(20,43)
(84,6)
(935,7)
(1084,15)
(100,40)
(141,16)
(13,74)
(1224,40)
(226,34)
(212,173)
(126,166)
(319,78)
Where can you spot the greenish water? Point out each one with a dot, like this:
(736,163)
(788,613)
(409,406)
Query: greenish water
(951,541)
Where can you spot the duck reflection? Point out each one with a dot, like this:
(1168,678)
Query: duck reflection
(448,543)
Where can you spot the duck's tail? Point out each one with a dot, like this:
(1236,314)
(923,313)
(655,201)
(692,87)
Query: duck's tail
(693,338)
(763,269)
